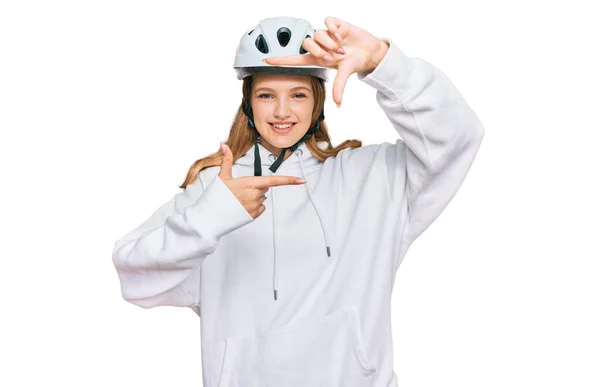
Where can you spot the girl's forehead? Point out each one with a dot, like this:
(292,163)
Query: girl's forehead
(281,81)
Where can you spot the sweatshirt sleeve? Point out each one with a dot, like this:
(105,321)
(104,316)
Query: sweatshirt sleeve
(160,261)
(439,138)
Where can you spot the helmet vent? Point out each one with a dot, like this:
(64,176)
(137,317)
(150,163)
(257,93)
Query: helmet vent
(261,44)
(283,36)
(250,33)
(302,50)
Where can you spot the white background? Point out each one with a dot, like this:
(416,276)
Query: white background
(104,105)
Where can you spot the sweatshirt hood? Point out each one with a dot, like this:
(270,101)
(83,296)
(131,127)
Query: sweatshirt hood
(300,159)
(293,162)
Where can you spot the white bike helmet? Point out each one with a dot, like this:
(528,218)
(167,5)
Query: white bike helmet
(273,37)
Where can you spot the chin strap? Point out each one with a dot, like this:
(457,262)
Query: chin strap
(257,162)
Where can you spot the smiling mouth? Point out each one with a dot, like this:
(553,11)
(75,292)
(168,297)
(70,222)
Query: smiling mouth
(278,130)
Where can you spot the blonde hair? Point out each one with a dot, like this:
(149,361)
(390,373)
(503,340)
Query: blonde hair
(242,136)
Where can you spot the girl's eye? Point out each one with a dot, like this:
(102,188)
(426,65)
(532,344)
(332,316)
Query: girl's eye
(297,94)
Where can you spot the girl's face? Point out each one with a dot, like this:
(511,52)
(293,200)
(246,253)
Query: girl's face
(282,107)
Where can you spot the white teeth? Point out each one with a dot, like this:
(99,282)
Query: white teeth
(281,126)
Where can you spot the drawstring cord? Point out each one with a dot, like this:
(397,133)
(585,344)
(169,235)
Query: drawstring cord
(298,153)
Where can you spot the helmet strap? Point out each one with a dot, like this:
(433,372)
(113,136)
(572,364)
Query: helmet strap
(257,162)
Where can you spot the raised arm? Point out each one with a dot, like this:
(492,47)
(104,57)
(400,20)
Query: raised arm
(439,137)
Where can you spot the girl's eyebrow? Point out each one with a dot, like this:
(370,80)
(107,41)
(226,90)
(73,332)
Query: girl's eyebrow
(294,88)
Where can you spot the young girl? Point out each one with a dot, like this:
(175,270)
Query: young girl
(293,278)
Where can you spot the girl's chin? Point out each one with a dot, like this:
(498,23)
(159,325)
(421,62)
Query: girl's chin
(280,141)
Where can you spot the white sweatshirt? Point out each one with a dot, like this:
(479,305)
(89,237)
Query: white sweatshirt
(276,310)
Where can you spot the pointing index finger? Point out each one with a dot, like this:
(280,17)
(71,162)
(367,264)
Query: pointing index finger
(272,181)
(294,60)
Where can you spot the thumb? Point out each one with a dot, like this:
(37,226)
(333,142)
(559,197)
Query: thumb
(226,162)
(339,83)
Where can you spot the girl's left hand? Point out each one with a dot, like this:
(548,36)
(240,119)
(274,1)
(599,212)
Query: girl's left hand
(347,48)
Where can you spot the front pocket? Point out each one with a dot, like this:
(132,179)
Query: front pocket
(326,353)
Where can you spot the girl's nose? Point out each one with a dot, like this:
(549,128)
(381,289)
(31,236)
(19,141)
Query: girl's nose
(282,109)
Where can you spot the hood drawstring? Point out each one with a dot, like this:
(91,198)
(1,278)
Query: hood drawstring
(258,172)
(298,153)
(327,244)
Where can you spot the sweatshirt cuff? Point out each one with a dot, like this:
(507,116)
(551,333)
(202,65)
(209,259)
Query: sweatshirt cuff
(220,211)
(391,75)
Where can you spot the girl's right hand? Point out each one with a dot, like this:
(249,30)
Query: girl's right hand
(250,190)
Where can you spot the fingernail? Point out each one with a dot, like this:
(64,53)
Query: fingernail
(300,181)
(341,51)
(338,104)
(327,57)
